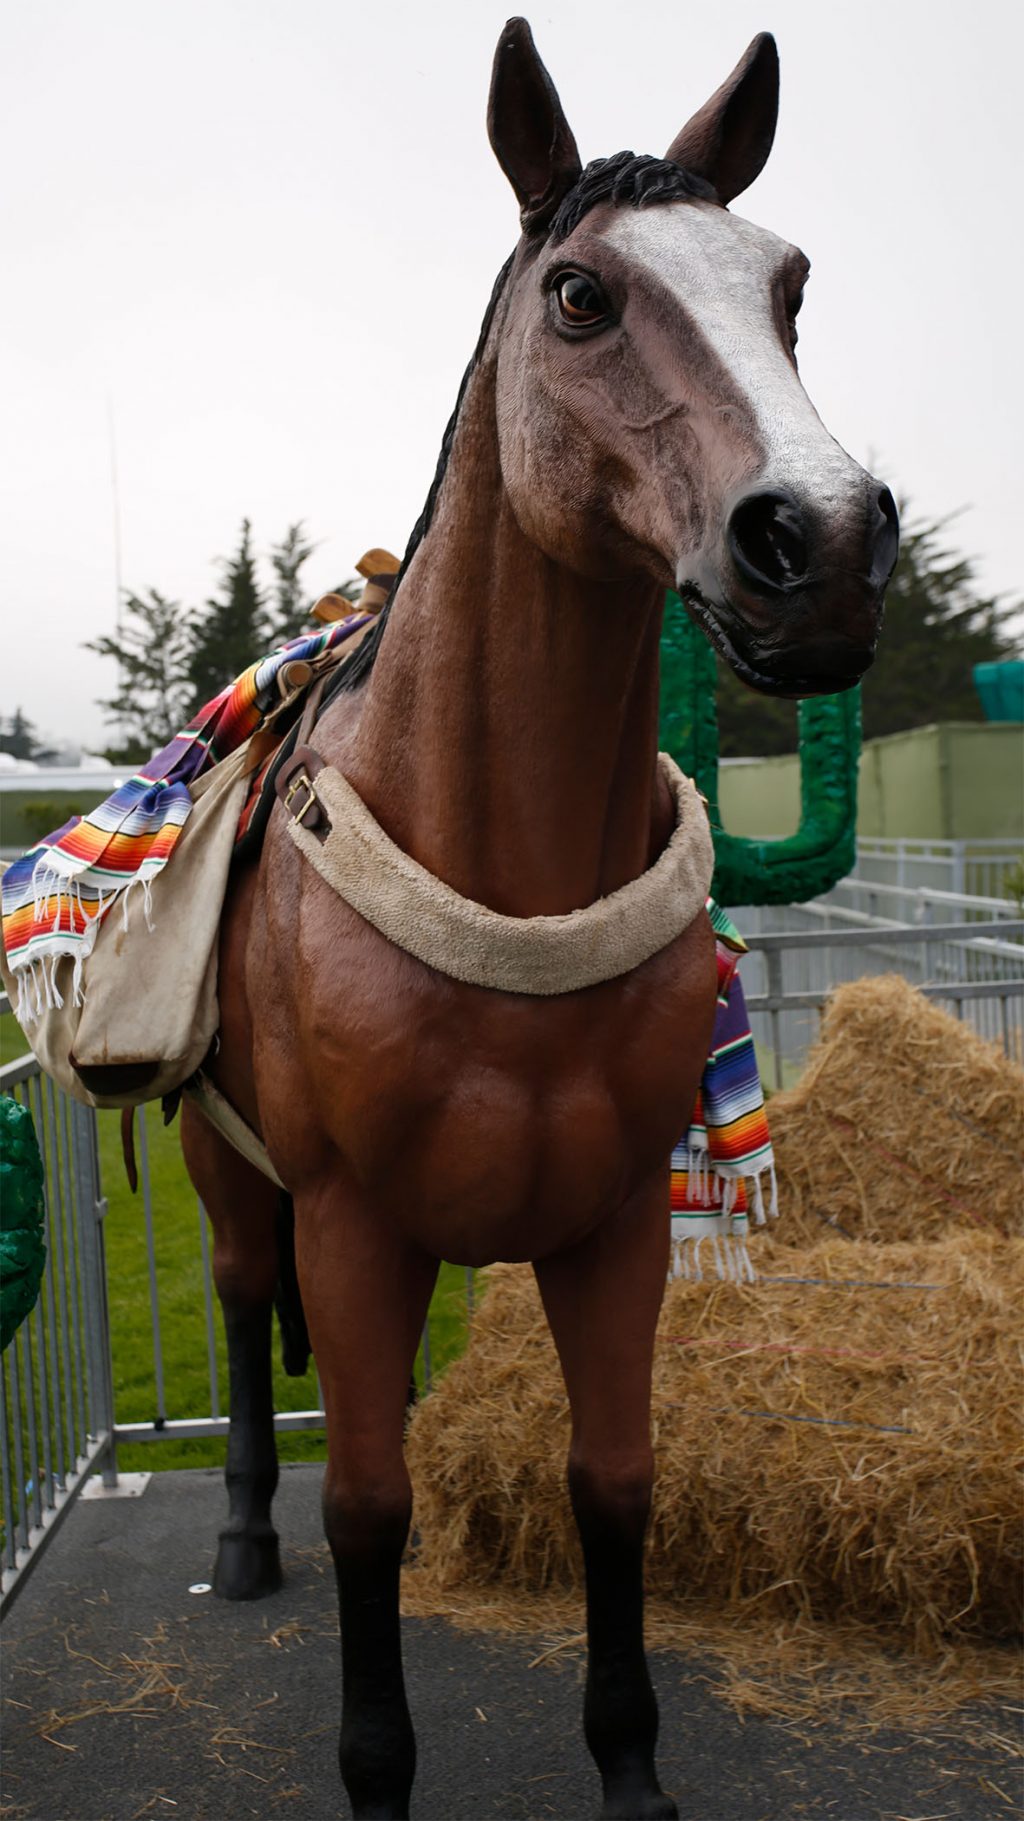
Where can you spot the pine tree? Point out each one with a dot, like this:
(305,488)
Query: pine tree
(291,604)
(154,689)
(937,626)
(232,632)
(19,738)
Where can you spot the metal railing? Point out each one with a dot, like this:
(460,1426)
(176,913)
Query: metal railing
(161,1426)
(975,866)
(800,953)
(57,1389)
(916,903)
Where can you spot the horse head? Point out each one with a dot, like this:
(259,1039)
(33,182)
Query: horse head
(651,419)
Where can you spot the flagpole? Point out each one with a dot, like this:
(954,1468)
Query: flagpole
(116,502)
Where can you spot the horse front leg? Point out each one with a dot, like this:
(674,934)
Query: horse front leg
(243,1207)
(602,1300)
(366,1293)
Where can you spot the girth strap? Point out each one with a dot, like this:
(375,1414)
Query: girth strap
(230,1124)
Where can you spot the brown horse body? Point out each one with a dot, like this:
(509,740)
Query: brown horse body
(506,738)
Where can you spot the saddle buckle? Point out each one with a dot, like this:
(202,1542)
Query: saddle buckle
(312,805)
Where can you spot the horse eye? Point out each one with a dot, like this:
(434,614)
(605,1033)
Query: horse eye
(580,302)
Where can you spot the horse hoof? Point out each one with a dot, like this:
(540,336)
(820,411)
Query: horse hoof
(247,1567)
(639,1805)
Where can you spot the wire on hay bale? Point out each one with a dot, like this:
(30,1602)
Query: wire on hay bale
(903,1124)
(824,1449)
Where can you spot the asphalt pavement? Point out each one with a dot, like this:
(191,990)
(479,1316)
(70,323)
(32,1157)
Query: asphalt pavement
(129,1695)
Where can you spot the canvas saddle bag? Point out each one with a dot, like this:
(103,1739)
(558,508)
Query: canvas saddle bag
(150,1011)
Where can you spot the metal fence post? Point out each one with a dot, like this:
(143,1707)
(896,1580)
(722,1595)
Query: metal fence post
(90,1208)
(773,971)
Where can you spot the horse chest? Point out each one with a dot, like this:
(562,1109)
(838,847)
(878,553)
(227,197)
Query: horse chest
(492,1126)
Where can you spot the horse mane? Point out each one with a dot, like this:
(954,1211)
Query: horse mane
(627,179)
(624,179)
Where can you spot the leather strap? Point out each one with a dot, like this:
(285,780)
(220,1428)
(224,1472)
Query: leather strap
(230,1124)
(293,783)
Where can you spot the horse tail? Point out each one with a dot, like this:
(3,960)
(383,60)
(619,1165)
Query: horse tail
(128,1147)
(295,1347)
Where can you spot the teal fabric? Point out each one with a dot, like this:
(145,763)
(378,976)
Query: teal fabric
(22,1211)
(1001,688)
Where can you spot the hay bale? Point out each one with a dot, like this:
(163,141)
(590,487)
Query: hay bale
(830,1451)
(904,1124)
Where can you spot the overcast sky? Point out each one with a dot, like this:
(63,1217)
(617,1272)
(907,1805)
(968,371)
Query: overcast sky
(266,232)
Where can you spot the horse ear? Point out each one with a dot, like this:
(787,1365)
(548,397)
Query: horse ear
(532,139)
(728,141)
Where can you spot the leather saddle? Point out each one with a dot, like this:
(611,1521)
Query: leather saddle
(304,700)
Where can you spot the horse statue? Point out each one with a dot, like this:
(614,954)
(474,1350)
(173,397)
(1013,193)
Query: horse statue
(468,985)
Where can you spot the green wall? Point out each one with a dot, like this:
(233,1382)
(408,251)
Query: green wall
(985,778)
(960,780)
(759,797)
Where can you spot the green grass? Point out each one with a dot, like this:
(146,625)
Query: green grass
(179,1272)
(12,1043)
(179,1276)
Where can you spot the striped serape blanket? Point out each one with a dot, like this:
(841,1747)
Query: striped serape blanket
(728,1145)
(55,896)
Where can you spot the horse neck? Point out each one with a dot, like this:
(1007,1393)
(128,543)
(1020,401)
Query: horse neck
(507,739)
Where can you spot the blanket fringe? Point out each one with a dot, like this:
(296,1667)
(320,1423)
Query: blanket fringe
(143,879)
(36,973)
(714,1185)
(728,1253)
(713,1188)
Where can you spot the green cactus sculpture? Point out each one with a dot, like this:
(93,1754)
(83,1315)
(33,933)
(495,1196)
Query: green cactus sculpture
(823,849)
(22,1251)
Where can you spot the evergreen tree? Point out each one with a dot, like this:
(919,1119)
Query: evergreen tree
(750,724)
(291,604)
(18,737)
(154,688)
(937,627)
(232,633)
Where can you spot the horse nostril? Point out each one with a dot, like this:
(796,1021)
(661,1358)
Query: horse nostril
(884,537)
(768,540)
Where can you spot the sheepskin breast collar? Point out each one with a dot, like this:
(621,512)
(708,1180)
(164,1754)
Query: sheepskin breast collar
(540,956)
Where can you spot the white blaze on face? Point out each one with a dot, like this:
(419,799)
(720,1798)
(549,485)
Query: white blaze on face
(724,272)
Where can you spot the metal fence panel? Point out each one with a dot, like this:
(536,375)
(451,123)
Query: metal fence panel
(57,1417)
(801,952)
(975,866)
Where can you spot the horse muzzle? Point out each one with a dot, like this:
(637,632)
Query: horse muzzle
(792,604)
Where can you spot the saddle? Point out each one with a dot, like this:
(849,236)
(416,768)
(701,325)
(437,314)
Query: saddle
(304,697)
